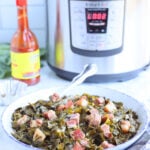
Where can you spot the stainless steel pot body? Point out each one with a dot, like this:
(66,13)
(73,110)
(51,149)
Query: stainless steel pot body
(113,34)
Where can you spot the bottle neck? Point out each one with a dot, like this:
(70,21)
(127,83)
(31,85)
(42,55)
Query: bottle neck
(22,18)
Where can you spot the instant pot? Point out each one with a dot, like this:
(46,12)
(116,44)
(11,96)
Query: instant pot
(113,34)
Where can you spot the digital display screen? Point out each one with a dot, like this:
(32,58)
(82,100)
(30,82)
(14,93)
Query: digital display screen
(96,19)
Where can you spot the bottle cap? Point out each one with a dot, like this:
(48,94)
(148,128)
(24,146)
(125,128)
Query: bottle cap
(21,2)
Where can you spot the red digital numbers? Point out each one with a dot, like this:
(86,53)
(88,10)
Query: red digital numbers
(96,16)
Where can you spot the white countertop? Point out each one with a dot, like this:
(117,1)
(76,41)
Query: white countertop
(138,88)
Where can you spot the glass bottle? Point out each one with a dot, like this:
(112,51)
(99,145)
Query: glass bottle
(25,53)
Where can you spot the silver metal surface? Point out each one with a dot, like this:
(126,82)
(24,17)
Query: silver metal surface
(136,49)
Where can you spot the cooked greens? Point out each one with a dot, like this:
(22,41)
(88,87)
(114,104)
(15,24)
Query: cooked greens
(86,122)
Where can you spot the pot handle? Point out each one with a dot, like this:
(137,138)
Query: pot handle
(88,70)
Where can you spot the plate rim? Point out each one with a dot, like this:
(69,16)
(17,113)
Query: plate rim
(119,147)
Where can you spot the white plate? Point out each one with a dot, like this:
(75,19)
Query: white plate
(128,102)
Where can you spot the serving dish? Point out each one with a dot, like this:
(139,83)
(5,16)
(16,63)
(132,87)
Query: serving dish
(114,95)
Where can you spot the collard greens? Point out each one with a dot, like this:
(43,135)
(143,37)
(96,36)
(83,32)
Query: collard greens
(81,121)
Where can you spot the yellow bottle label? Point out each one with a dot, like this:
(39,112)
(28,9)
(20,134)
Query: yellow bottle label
(25,65)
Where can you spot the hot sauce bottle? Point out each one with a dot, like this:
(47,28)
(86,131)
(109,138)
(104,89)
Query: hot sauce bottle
(25,53)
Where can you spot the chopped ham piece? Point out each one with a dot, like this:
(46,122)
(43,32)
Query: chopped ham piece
(55,97)
(94,118)
(71,123)
(72,120)
(51,115)
(77,146)
(38,135)
(77,134)
(82,101)
(125,126)
(110,107)
(99,101)
(69,104)
(107,116)
(22,120)
(106,145)
(36,123)
(106,130)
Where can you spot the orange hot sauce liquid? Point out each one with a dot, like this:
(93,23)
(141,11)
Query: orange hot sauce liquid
(24,41)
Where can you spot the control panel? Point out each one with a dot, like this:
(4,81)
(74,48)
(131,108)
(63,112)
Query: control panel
(96,26)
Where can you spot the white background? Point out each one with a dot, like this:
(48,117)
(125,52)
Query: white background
(36,16)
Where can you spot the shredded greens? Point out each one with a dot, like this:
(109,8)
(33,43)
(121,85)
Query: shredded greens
(84,121)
